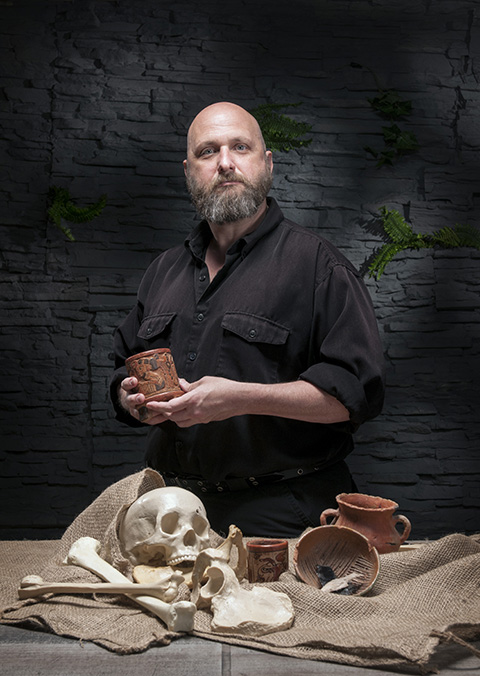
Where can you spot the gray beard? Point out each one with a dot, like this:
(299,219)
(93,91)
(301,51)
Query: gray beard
(227,205)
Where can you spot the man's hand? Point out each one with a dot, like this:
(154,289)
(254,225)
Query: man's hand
(213,399)
(205,400)
(130,401)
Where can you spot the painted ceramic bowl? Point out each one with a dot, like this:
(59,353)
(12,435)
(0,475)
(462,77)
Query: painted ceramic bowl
(340,550)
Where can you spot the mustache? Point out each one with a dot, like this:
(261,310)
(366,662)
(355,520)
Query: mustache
(230,176)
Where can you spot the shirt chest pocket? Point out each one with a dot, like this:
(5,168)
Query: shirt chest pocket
(251,348)
(155,330)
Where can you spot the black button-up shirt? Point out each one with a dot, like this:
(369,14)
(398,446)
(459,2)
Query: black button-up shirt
(286,305)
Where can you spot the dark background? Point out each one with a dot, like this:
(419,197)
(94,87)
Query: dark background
(96,97)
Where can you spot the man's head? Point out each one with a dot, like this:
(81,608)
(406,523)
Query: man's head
(228,169)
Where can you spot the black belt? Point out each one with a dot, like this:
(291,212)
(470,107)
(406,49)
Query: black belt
(195,483)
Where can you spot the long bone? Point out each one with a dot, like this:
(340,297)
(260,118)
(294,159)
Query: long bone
(85,553)
(33,585)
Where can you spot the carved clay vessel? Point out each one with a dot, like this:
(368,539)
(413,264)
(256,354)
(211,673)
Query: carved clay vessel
(267,559)
(371,516)
(343,550)
(156,375)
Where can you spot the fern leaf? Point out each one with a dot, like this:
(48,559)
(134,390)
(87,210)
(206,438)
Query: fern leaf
(67,232)
(406,142)
(62,208)
(459,235)
(76,214)
(383,257)
(391,105)
(385,157)
(280,132)
(397,227)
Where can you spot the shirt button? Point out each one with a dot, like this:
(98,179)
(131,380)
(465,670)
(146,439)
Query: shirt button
(149,330)
(202,277)
(192,356)
(252,333)
(200,317)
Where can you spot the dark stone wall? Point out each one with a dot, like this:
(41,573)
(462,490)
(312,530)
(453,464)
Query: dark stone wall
(96,97)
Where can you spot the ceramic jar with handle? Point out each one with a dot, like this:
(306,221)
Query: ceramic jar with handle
(371,516)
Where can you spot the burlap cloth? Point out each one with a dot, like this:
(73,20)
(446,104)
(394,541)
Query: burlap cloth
(419,597)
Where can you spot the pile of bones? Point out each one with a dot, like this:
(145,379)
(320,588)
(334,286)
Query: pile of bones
(165,536)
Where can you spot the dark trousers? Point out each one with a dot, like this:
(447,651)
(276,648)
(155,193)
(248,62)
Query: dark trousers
(281,509)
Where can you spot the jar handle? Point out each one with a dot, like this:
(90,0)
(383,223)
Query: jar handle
(407,526)
(327,513)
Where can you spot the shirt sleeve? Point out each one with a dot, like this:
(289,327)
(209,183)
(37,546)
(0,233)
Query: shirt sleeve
(348,355)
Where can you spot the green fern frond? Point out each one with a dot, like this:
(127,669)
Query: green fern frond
(280,132)
(385,157)
(67,232)
(459,235)
(402,237)
(63,208)
(383,257)
(406,142)
(55,212)
(83,214)
(390,105)
(396,226)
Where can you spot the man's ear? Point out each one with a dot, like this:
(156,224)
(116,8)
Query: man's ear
(185,167)
(269,158)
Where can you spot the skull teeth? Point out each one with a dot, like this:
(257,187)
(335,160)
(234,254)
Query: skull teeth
(181,559)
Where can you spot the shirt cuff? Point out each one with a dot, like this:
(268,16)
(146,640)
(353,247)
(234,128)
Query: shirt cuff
(345,387)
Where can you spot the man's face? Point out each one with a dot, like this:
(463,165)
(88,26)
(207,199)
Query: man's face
(228,171)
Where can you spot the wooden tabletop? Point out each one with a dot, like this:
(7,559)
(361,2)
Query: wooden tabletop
(25,652)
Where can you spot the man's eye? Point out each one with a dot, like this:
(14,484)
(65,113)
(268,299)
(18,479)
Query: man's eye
(206,151)
(241,146)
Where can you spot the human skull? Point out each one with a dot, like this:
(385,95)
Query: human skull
(166,526)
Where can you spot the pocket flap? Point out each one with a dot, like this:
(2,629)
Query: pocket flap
(255,329)
(154,325)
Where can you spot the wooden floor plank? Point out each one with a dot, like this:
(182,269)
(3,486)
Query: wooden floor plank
(25,653)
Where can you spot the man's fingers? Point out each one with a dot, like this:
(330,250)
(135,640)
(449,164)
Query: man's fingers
(128,384)
(156,419)
(184,384)
(168,407)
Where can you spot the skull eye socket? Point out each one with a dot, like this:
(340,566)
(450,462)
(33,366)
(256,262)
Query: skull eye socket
(200,526)
(169,523)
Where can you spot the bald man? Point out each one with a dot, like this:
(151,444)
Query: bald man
(274,337)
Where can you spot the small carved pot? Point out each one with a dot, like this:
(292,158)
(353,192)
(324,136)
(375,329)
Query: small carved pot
(156,375)
(267,559)
(371,516)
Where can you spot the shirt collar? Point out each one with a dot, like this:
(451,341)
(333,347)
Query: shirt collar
(199,238)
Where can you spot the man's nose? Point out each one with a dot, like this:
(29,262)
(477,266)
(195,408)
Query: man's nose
(225,160)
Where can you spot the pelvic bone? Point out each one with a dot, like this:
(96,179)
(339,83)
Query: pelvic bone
(256,612)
